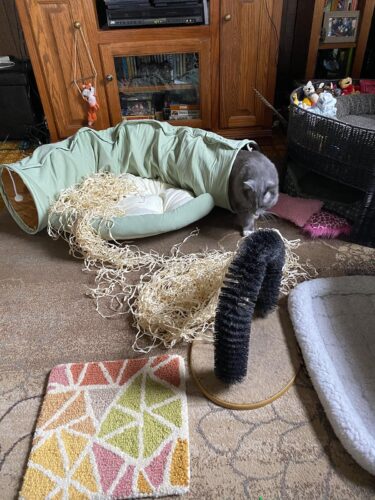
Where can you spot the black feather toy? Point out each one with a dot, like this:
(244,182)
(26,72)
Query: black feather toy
(253,279)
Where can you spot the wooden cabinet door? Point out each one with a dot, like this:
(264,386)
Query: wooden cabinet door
(49,31)
(249,36)
(112,52)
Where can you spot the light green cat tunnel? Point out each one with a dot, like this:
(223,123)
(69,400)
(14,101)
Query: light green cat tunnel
(187,158)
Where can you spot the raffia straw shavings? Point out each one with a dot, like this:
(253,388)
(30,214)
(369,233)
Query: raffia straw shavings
(175,298)
(95,199)
(178,302)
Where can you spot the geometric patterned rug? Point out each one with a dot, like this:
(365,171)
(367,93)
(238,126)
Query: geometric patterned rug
(114,429)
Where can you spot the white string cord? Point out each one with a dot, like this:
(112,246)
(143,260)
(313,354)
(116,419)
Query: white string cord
(18,197)
(75,50)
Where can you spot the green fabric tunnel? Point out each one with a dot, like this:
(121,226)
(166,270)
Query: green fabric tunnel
(187,158)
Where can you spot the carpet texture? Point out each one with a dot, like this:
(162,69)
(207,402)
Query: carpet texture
(285,450)
(273,363)
(334,322)
(117,429)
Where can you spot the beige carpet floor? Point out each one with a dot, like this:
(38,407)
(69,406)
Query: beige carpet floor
(286,450)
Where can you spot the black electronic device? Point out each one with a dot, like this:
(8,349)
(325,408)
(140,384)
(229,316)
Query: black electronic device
(21,114)
(129,13)
(126,4)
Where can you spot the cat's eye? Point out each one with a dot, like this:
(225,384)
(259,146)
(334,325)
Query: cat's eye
(271,192)
(267,196)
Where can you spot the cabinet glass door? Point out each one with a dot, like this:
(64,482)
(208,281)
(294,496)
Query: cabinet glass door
(159,79)
(159,86)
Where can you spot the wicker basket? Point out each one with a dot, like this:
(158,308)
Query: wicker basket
(339,151)
(300,182)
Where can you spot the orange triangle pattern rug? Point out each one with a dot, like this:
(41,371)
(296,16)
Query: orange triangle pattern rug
(114,429)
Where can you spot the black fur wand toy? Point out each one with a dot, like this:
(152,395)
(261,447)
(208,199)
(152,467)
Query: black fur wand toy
(253,279)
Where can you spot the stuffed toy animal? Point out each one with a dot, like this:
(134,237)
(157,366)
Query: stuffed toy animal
(325,106)
(311,95)
(88,93)
(295,99)
(305,104)
(347,87)
(328,87)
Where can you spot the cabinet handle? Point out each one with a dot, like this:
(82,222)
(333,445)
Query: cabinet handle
(77,25)
(227,17)
(109,78)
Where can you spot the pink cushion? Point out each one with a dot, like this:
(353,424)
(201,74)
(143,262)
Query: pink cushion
(326,225)
(296,210)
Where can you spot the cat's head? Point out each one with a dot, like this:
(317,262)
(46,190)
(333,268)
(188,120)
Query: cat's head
(262,194)
(309,88)
(254,183)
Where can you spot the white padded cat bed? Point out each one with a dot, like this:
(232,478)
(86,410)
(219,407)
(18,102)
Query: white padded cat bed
(334,321)
(157,198)
(124,207)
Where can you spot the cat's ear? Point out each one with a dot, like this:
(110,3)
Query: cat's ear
(253,146)
(250,184)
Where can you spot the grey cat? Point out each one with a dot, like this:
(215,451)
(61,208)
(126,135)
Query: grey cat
(253,187)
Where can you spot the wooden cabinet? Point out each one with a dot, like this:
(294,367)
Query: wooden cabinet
(48,29)
(248,59)
(234,54)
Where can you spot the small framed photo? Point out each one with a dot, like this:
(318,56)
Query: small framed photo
(340,26)
(137,106)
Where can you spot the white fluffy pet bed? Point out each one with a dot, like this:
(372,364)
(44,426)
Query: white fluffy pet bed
(334,321)
(156,198)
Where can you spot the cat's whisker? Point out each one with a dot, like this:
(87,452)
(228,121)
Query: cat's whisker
(268,216)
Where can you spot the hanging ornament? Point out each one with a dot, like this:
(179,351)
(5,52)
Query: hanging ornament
(88,93)
(86,86)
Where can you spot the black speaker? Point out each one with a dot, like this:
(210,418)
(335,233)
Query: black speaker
(21,113)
